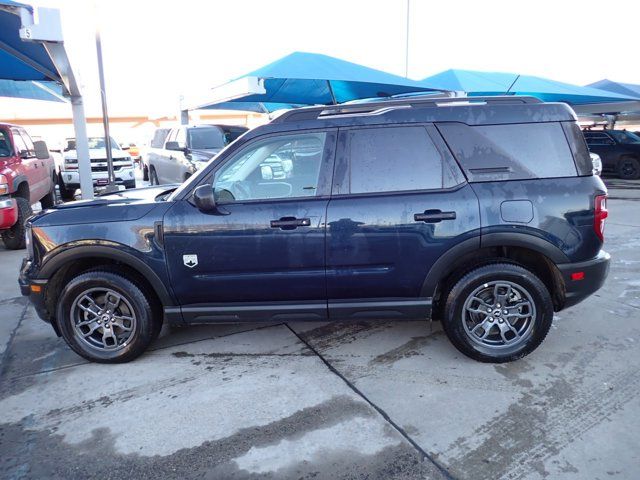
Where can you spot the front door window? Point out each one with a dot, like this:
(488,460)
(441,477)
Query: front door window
(285,166)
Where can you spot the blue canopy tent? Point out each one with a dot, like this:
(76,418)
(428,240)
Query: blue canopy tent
(34,64)
(22,63)
(48,91)
(628,89)
(476,83)
(629,116)
(305,79)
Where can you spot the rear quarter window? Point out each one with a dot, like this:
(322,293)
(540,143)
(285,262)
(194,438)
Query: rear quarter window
(510,152)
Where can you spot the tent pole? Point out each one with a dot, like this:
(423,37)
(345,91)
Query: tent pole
(333,97)
(82,147)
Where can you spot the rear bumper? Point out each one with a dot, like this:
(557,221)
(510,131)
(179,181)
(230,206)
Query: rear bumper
(584,278)
(8,213)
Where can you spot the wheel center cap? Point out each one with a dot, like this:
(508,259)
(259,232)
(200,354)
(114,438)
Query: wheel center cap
(105,318)
(497,313)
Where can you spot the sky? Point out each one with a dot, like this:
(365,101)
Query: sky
(156,50)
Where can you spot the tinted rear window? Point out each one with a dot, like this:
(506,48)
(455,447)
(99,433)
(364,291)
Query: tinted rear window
(510,152)
(158,137)
(393,159)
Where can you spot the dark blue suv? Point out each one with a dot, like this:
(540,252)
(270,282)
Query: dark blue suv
(482,213)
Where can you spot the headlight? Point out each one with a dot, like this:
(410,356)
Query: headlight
(29,241)
(4,185)
(71,163)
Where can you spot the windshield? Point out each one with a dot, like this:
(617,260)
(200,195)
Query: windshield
(94,142)
(622,136)
(5,144)
(206,138)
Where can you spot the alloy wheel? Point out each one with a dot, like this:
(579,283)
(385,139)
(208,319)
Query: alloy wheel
(103,319)
(499,315)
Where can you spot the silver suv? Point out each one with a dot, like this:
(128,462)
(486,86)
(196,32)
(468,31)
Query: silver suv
(176,154)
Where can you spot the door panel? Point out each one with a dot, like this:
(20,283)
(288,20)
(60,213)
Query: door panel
(381,246)
(242,258)
(258,257)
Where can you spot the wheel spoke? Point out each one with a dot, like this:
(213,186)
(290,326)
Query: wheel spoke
(108,333)
(112,300)
(92,328)
(119,321)
(501,298)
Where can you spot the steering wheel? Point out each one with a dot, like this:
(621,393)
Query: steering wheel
(240,191)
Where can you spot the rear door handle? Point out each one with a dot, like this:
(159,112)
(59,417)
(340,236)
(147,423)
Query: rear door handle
(290,223)
(434,216)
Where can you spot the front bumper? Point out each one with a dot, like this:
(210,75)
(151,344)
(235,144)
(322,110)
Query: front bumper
(124,176)
(8,213)
(35,289)
(584,278)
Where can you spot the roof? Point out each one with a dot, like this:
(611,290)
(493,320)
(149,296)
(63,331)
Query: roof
(471,111)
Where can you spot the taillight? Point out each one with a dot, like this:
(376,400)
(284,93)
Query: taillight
(601,213)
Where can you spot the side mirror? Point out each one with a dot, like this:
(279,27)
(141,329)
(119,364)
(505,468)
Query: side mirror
(175,146)
(204,199)
(42,152)
(125,147)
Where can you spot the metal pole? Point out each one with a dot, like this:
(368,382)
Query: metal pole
(406,59)
(82,147)
(111,186)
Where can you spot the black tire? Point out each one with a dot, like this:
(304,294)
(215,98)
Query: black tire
(145,173)
(14,238)
(49,200)
(629,168)
(66,194)
(517,282)
(153,177)
(144,328)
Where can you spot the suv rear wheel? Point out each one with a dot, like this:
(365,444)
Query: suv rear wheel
(106,318)
(629,168)
(498,313)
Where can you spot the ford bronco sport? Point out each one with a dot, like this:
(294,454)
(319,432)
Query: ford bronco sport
(482,213)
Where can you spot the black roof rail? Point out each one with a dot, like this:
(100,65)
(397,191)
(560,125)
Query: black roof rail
(383,106)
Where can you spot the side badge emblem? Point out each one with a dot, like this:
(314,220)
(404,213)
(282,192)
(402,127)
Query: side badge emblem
(190,260)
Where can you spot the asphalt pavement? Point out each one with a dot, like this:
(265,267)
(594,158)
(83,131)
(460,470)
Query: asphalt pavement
(388,400)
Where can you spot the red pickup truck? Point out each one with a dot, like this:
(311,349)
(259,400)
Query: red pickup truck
(27,175)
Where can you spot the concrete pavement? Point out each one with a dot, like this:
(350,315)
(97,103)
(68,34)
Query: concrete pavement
(333,400)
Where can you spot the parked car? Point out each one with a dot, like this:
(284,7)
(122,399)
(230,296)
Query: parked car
(596,161)
(134,152)
(483,214)
(27,176)
(619,151)
(69,176)
(178,153)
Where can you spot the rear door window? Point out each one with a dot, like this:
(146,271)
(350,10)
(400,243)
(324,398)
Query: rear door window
(159,137)
(393,159)
(597,138)
(510,152)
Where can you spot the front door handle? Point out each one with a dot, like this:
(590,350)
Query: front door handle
(290,223)
(434,216)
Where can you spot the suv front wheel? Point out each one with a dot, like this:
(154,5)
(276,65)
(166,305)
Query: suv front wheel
(106,318)
(498,313)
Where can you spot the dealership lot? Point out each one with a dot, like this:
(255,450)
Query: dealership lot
(335,400)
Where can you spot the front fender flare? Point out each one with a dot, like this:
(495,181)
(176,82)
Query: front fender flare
(111,252)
